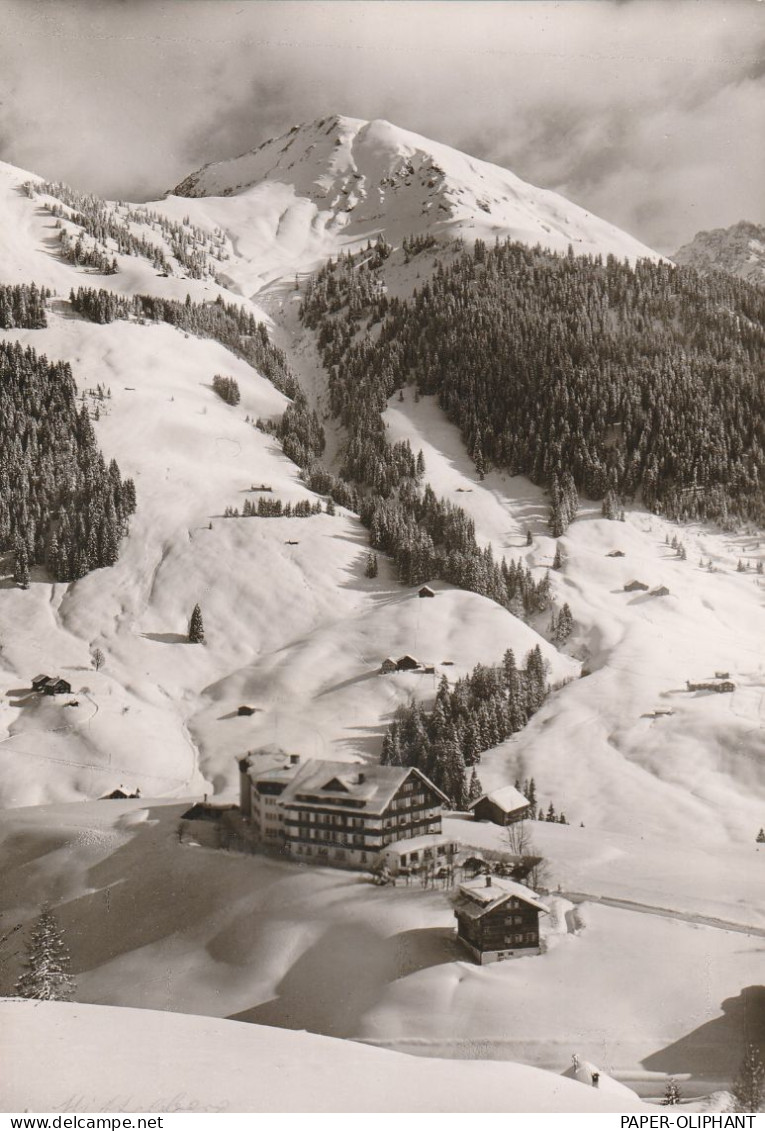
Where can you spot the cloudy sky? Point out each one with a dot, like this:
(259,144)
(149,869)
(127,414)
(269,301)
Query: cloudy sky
(648,112)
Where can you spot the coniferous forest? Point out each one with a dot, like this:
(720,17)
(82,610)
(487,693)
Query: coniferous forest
(477,713)
(643,381)
(60,504)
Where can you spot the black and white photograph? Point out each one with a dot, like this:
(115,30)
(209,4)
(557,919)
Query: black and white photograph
(382,550)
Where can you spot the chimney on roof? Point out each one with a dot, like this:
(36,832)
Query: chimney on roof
(294,759)
(488,881)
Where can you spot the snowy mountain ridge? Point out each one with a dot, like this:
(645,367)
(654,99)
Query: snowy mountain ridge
(338,181)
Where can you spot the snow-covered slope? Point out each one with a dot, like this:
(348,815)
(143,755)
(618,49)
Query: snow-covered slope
(738,250)
(335,183)
(102,1059)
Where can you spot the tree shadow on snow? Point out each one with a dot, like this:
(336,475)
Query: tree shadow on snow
(715,1049)
(166,637)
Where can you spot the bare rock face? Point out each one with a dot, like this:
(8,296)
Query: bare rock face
(738,250)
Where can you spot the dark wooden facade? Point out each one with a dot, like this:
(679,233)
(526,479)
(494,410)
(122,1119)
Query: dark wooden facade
(487,810)
(496,920)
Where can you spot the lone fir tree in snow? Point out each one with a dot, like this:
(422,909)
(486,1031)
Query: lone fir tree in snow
(672,1093)
(46,967)
(749,1086)
(760,838)
(371,566)
(196,627)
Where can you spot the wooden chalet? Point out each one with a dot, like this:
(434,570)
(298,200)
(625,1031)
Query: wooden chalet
(426,591)
(51,685)
(502,806)
(497,919)
(406,663)
(387,666)
(635,586)
(660,591)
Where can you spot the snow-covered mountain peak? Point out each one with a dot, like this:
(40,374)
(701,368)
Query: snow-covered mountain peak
(350,179)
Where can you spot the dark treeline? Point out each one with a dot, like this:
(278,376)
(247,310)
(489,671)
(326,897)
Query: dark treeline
(299,431)
(275,508)
(427,537)
(645,381)
(231,325)
(60,505)
(22,306)
(479,712)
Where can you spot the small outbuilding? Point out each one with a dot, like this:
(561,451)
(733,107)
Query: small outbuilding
(502,806)
(245,710)
(120,794)
(616,554)
(51,685)
(635,586)
(426,591)
(406,663)
(419,854)
(660,591)
(387,666)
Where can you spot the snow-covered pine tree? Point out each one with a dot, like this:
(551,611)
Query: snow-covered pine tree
(196,627)
(760,838)
(672,1093)
(749,1086)
(475,789)
(21,566)
(371,566)
(46,973)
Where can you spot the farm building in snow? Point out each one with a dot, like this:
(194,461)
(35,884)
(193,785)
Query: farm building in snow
(51,685)
(497,919)
(501,806)
(711,685)
(406,663)
(634,586)
(387,666)
(426,591)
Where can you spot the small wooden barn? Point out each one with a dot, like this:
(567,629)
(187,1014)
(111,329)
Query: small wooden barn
(616,554)
(51,685)
(406,663)
(426,591)
(635,586)
(245,710)
(660,591)
(502,806)
(387,666)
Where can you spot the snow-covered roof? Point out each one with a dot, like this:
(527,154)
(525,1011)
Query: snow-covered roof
(326,783)
(417,843)
(264,764)
(476,897)
(508,799)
